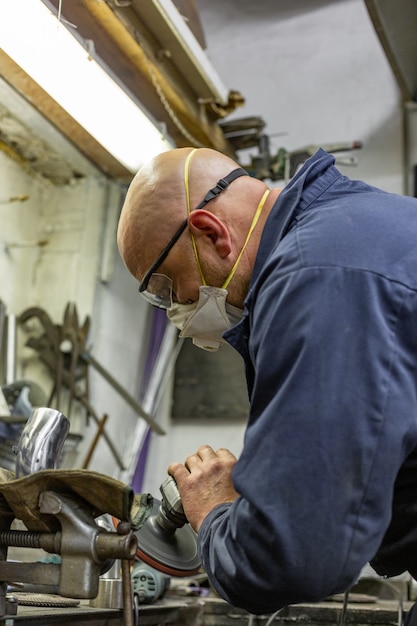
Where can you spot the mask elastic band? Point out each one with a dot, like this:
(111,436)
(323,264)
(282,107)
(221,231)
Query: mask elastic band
(187,195)
(251,229)
(221,185)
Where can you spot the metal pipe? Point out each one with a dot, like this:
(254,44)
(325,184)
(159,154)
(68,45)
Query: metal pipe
(41,441)
(127,594)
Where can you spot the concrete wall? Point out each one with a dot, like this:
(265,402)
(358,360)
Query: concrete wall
(316,72)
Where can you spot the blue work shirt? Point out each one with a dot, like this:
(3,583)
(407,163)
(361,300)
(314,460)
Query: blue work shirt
(327,477)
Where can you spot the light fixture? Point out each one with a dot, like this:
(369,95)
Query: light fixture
(165,21)
(43,47)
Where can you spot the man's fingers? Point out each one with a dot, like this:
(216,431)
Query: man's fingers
(204,455)
(178,471)
(205,452)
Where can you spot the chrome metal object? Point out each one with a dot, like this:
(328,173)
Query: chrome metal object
(41,441)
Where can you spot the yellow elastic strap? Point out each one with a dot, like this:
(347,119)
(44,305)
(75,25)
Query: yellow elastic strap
(187,195)
(251,229)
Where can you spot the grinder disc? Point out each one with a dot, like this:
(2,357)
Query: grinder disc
(171,552)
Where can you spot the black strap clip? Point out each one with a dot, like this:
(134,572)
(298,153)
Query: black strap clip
(221,185)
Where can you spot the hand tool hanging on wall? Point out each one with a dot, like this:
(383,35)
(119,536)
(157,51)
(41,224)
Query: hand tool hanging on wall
(58,348)
(62,348)
(87,358)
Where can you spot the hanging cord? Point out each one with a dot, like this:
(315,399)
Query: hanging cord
(177,123)
(342,621)
(397,593)
(169,110)
(343,614)
(62,20)
(274,615)
(251,619)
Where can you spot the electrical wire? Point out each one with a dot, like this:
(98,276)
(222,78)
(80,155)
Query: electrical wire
(399,595)
(274,615)
(136,609)
(343,614)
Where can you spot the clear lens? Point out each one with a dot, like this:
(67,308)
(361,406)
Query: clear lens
(159,291)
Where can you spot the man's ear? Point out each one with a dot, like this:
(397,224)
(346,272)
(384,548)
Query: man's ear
(204,224)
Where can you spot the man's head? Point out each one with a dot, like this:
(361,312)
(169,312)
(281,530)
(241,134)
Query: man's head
(156,207)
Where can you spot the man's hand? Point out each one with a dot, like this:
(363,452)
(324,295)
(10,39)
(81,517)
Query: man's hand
(204,481)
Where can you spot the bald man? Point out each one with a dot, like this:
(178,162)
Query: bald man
(316,286)
(145,225)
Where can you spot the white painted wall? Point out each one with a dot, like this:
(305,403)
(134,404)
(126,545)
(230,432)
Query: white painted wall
(58,246)
(49,240)
(119,343)
(50,243)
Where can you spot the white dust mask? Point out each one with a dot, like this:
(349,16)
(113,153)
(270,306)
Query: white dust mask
(207,319)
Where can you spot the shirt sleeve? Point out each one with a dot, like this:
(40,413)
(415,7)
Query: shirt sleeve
(329,427)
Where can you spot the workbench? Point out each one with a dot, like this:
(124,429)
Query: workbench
(172,612)
(212,612)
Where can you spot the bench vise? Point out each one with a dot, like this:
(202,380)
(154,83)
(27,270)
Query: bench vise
(60,510)
(84,547)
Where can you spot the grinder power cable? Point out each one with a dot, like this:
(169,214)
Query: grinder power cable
(166,541)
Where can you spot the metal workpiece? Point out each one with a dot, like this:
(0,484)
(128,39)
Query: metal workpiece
(41,441)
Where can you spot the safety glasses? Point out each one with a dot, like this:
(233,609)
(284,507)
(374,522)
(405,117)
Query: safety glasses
(157,288)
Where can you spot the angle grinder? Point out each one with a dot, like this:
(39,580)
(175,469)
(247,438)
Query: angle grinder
(166,541)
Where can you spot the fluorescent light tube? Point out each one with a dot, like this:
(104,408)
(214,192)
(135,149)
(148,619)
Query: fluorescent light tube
(34,38)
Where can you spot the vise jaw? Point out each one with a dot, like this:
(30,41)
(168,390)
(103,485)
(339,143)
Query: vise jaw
(84,546)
